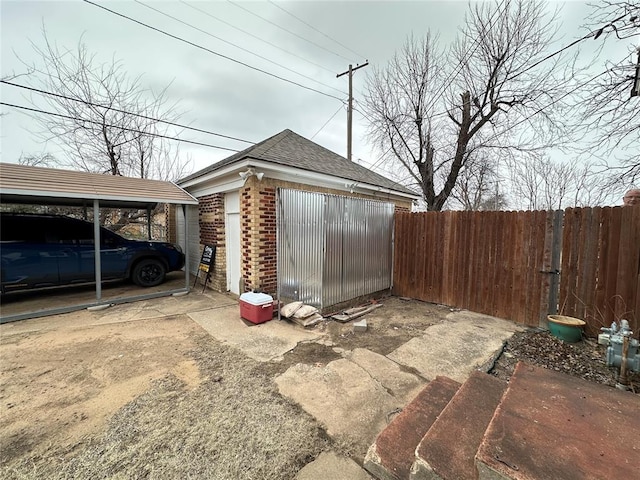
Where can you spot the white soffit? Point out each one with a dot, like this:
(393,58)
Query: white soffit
(227,179)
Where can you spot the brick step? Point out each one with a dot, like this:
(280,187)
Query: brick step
(553,425)
(544,425)
(393,453)
(448,449)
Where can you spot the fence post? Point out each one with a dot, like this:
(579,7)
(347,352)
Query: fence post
(556,249)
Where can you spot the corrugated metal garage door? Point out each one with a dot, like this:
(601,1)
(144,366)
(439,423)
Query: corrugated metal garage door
(331,248)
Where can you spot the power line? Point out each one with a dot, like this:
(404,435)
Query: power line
(256,37)
(463,61)
(440,91)
(125,112)
(517,74)
(234,45)
(288,31)
(175,37)
(78,119)
(327,122)
(314,28)
(594,33)
(511,127)
(553,102)
(550,56)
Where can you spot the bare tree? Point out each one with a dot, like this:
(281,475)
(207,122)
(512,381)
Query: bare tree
(106,122)
(38,160)
(490,97)
(616,17)
(398,109)
(590,186)
(611,115)
(542,183)
(477,185)
(495,201)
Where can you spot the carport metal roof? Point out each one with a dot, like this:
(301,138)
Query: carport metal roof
(22,184)
(37,185)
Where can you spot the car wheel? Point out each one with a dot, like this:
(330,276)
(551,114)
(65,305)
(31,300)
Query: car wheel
(148,272)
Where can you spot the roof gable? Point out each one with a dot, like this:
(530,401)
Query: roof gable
(292,150)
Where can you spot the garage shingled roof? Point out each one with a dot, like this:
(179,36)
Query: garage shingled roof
(290,149)
(27,184)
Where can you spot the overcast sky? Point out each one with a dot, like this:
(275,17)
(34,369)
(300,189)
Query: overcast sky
(219,94)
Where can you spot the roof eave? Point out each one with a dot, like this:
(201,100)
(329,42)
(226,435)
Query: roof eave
(218,181)
(10,196)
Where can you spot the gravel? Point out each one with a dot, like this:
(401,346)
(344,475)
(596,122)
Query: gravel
(585,359)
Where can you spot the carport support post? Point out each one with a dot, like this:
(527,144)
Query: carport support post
(185,214)
(148,222)
(96,248)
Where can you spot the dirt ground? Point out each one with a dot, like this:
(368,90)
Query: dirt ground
(585,359)
(160,398)
(71,390)
(389,327)
(62,384)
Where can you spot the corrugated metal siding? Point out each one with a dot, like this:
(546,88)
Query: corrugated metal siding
(379,247)
(336,248)
(332,249)
(367,250)
(193,242)
(300,246)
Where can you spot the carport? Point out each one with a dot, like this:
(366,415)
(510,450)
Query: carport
(27,185)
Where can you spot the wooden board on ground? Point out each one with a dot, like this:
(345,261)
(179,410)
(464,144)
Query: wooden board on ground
(353,313)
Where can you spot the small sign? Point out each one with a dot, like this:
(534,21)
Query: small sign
(208,256)
(206,261)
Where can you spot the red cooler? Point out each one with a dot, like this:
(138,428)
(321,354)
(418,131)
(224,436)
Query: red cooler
(256,307)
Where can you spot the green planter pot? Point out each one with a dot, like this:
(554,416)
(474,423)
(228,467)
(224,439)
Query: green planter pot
(568,329)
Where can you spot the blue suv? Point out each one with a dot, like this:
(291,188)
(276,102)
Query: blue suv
(51,250)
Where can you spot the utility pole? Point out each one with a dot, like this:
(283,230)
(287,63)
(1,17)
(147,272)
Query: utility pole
(350,108)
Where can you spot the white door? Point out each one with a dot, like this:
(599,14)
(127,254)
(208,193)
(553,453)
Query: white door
(232,240)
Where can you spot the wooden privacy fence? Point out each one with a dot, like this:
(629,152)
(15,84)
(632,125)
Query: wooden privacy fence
(581,262)
(599,280)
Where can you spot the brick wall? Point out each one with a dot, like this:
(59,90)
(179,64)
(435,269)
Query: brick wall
(258,236)
(171,222)
(212,232)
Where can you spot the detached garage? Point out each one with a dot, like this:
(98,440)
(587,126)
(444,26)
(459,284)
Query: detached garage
(91,193)
(295,220)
